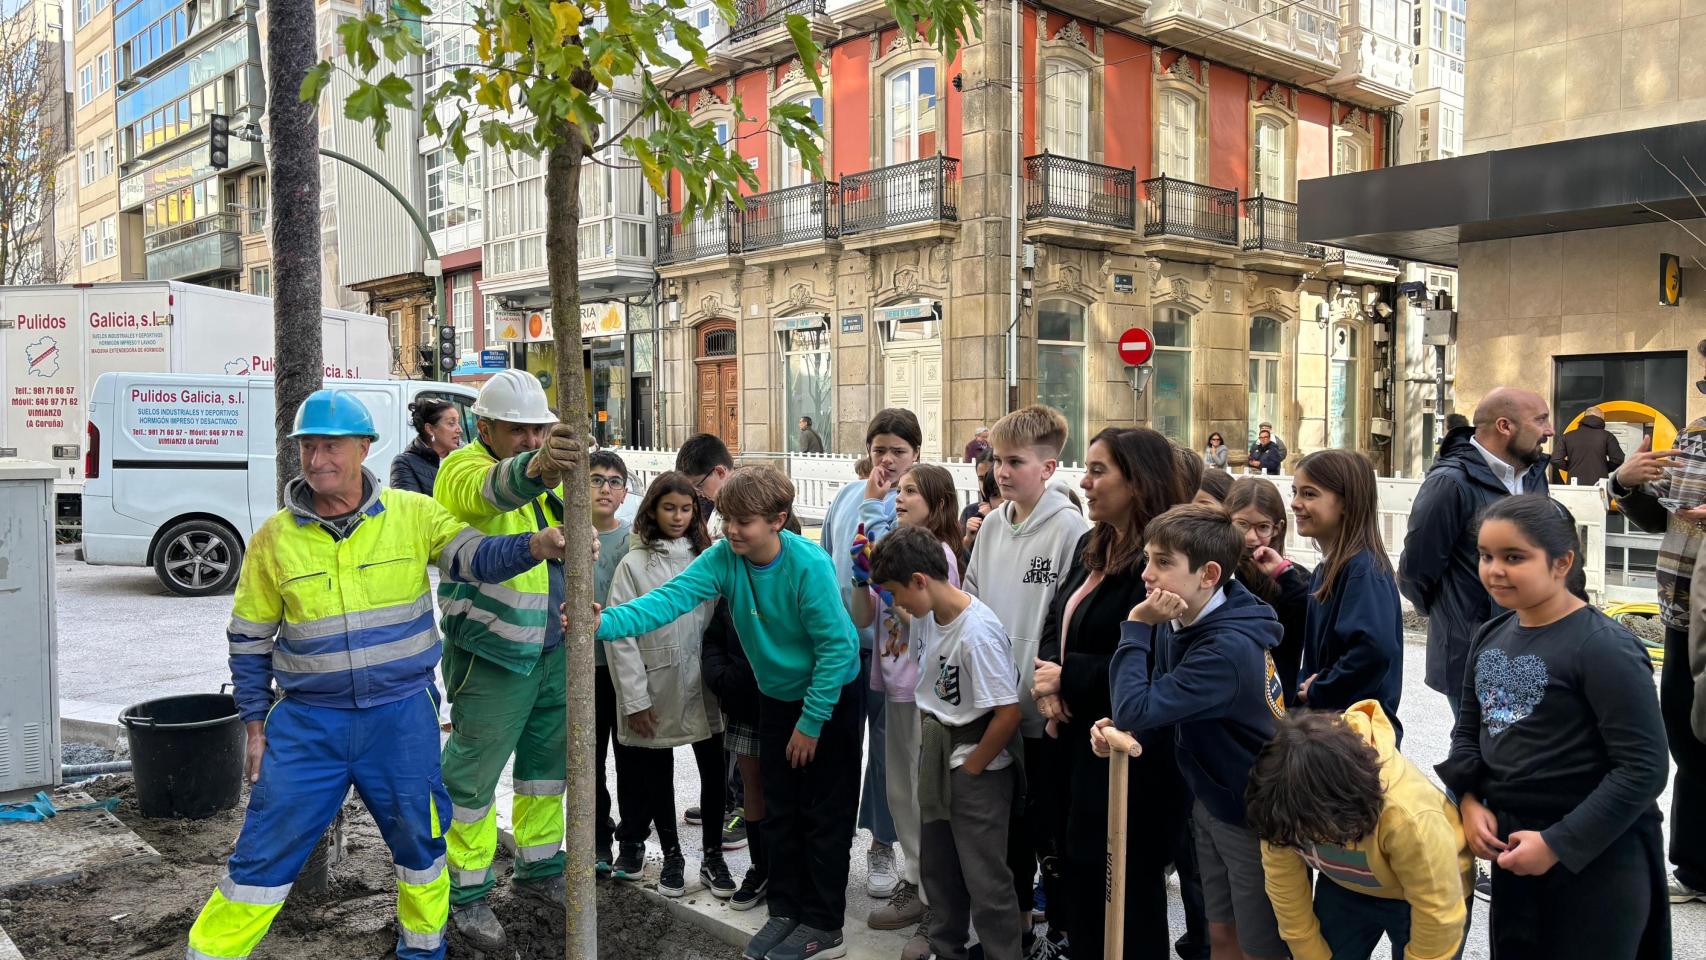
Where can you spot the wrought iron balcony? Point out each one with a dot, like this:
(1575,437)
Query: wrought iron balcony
(1062,188)
(804,214)
(753,17)
(1271,224)
(1192,211)
(713,233)
(918,191)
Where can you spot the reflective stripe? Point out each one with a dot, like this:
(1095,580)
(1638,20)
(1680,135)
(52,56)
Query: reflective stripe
(354,620)
(228,929)
(500,489)
(457,557)
(470,878)
(467,815)
(420,877)
(543,851)
(194,954)
(251,628)
(259,896)
(493,622)
(342,660)
(422,941)
(540,788)
(506,596)
(250,647)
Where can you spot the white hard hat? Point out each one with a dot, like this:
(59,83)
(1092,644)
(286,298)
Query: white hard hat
(513,397)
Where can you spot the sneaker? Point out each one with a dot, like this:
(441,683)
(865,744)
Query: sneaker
(601,861)
(672,880)
(476,922)
(692,816)
(546,890)
(918,948)
(714,874)
(631,864)
(1483,884)
(1189,947)
(774,931)
(808,942)
(1044,947)
(753,890)
(881,880)
(734,832)
(904,909)
(1683,893)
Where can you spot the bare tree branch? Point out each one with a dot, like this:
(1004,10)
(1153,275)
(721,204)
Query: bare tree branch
(34,124)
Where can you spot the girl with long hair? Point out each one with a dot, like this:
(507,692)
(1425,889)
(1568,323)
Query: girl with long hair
(1258,510)
(1558,757)
(1354,634)
(1131,477)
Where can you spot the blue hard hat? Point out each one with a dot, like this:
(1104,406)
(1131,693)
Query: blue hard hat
(332,413)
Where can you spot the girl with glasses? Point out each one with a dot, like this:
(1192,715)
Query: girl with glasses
(1259,513)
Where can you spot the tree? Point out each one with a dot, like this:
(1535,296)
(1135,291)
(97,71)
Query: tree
(548,63)
(33,128)
(294,148)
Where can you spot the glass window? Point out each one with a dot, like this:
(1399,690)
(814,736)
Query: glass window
(88,165)
(108,155)
(911,114)
(85,85)
(1264,371)
(462,309)
(1178,135)
(91,245)
(84,8)
(109,236)
(807,384)
(1347,156)
(260,282)
(1170,387)
(104,72)
(1342,388)
(794,172)
(1060,369)
(1456,44)
(1270,158)
(1066,109)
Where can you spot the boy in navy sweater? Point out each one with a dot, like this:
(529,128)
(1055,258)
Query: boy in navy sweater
(1194,656)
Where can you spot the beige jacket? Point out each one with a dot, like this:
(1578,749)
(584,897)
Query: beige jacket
(660,670)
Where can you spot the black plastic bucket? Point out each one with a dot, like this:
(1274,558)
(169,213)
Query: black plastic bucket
(187,754)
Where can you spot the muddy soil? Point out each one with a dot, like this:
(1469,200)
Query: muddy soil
(145,912)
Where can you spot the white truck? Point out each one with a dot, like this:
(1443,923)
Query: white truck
(56,340)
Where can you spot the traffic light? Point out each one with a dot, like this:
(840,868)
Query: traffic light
(446,348)
(219,141)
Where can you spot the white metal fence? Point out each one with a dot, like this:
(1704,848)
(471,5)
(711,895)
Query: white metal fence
(819,477)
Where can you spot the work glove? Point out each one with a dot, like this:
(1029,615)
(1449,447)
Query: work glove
(861,553)
(557,456)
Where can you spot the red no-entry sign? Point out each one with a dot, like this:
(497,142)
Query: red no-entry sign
(1136,346)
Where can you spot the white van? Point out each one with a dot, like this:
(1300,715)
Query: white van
(180,468)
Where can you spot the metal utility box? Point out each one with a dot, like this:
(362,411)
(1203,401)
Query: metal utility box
(29,646)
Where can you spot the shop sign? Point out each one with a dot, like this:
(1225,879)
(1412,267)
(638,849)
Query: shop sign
(852,323)
(922,310)
(604,319)
(804,321)
(494,359)
(1670,279)
(600,319)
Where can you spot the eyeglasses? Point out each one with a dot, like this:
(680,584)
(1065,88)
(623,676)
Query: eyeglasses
(699,483)
(1263,530)
(608,483)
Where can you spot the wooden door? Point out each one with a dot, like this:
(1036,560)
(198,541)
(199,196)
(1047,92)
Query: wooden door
(913,379)
(719,383)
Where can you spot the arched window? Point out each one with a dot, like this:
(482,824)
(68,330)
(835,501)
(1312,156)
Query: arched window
(1342,389)
(1269,171)
(1066,109)
(1177,133)
(910,114)
(1347,155)
(794,172)
(719,342)
(1264,371)
(1170,390)
(1060,369)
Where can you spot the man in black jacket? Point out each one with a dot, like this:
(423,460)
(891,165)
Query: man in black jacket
(1502,454)
(1588,453)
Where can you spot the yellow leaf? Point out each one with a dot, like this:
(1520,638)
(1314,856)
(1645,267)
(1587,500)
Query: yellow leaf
(485,44)
(568,17)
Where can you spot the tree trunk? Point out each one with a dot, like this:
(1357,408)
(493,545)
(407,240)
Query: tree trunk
(294,160)
(562,260)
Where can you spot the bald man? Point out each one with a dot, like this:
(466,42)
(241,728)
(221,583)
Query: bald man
(1502,452)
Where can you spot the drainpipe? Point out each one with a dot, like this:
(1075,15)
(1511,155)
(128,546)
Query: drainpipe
(1014,200)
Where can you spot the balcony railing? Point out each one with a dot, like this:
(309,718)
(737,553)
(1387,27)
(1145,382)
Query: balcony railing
(1061,188)
(800,214)
(1353,260)
(713,233)
(918,191)
(1271,224)
(1180,208)
(217,223)
(753,17)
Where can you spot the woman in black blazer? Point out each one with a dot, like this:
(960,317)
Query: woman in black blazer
(1130,478)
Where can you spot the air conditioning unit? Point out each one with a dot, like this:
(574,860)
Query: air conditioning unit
(1439,327)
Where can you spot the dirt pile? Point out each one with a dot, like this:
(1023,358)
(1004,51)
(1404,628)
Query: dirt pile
(145,912)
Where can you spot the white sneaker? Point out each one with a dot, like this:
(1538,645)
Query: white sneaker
(1681,892)
(881,880)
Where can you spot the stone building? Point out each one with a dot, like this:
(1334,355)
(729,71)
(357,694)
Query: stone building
(1158,164)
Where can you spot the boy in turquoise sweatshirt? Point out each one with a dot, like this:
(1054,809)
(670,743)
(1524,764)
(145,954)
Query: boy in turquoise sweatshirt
(786,604)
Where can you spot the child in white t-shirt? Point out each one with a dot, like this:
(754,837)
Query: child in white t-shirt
(969,772)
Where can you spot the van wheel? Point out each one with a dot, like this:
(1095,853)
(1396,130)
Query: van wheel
(198,558)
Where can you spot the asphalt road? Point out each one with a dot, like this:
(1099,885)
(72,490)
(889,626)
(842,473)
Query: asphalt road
(124,639)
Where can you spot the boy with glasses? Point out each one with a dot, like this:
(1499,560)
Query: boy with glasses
(609,488)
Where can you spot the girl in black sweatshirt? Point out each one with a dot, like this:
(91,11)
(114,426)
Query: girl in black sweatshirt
(1559,753)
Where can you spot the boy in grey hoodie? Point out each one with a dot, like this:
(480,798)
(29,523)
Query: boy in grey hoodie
(1020,554)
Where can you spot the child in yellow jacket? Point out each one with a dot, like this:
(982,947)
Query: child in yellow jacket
(1334,794)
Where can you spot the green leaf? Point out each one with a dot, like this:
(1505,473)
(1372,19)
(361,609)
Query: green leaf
(319,75)
(398,41)
(807,46)
(397,92)
(358,45)
(415,7)
(367,104)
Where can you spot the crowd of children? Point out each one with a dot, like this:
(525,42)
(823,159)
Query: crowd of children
(983,653)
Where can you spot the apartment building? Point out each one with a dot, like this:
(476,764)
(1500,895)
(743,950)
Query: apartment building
(1151,176)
